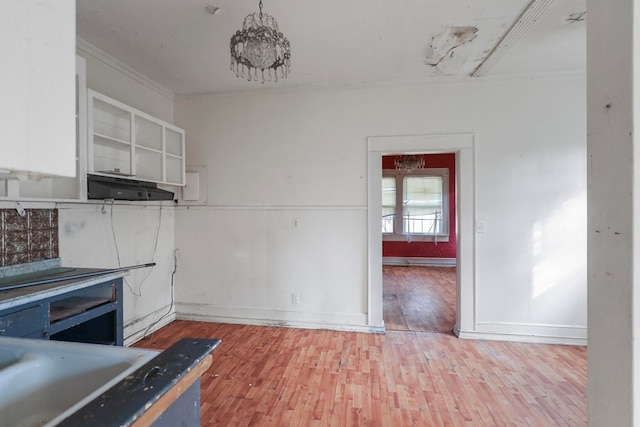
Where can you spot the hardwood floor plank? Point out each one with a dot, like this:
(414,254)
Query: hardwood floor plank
(268,376)
(419,298)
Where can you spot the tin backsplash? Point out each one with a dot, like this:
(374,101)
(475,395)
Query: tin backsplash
(28,238)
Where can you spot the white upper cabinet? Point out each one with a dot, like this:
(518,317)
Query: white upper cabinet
(37,82)
(126,142)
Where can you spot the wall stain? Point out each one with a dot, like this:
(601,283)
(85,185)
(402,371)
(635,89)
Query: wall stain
(72,228)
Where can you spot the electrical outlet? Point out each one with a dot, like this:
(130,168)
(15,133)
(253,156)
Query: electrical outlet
(295,298)
(481,227)
(295,223)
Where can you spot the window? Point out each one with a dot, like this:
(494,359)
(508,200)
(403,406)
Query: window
(388,204)
(421,199)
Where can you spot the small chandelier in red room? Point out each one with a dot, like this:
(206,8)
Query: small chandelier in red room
(409,162)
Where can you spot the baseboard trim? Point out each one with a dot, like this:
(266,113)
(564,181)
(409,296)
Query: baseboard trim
(539,334)
(283,318)
(419,262)
(137,329)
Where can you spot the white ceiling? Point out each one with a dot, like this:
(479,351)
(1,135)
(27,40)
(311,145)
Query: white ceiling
(185,48)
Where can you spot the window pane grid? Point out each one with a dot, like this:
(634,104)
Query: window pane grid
(388,204)
(422,201)
(415,204)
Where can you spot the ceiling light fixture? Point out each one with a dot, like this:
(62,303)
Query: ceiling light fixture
(260,47)
(212,9)
(409,162)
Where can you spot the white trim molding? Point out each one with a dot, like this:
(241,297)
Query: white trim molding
(420,262)
(463,145)
(523,332)
(136,329)
(269,317)
(99,55)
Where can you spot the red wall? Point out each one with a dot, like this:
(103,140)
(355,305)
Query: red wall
(428,249)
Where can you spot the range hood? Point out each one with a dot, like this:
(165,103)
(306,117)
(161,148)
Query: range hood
(103,187)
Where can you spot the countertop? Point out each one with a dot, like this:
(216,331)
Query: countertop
(16,297)
(133,398)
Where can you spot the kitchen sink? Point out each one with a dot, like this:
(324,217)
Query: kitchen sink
(43,382)
(8,356)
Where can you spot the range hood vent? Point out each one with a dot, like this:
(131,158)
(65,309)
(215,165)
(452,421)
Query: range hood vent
(102,187)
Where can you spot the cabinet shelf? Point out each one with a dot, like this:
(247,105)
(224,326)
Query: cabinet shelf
(153,150)
(110,156)
(72,306)
(108,130)
(124,141)
(99,136)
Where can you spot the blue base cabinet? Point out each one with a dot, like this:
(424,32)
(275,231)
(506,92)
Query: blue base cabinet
(92,314)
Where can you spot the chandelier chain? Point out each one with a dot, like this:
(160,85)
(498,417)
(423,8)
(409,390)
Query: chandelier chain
(260,6)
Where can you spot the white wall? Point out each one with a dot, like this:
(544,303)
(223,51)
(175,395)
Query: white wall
(276,157)
(531,192)
(125,235)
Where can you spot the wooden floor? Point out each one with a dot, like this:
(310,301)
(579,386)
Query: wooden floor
(421,299)
(269,376)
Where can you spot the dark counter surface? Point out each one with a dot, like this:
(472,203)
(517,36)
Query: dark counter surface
(11,296)
(129,399)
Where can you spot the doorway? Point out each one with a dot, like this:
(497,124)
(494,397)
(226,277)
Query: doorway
(419,298)
(419,242)
(462,145)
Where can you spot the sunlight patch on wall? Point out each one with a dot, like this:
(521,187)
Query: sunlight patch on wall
(556,261)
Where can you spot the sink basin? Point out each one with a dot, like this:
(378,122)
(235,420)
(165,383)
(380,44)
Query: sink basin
(43,382)
(8,356)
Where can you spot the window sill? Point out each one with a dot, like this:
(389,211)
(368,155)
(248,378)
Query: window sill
(440,238)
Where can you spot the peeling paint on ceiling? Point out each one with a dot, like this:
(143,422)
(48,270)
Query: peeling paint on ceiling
(443,45)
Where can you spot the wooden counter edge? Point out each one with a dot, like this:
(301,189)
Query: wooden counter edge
(155,410)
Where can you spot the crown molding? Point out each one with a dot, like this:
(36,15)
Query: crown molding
(86,48)
(396,84)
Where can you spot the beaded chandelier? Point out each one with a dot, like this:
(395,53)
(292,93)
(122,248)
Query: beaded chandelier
(260,51)
(409,162)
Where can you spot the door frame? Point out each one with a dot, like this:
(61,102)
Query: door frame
(462,144)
